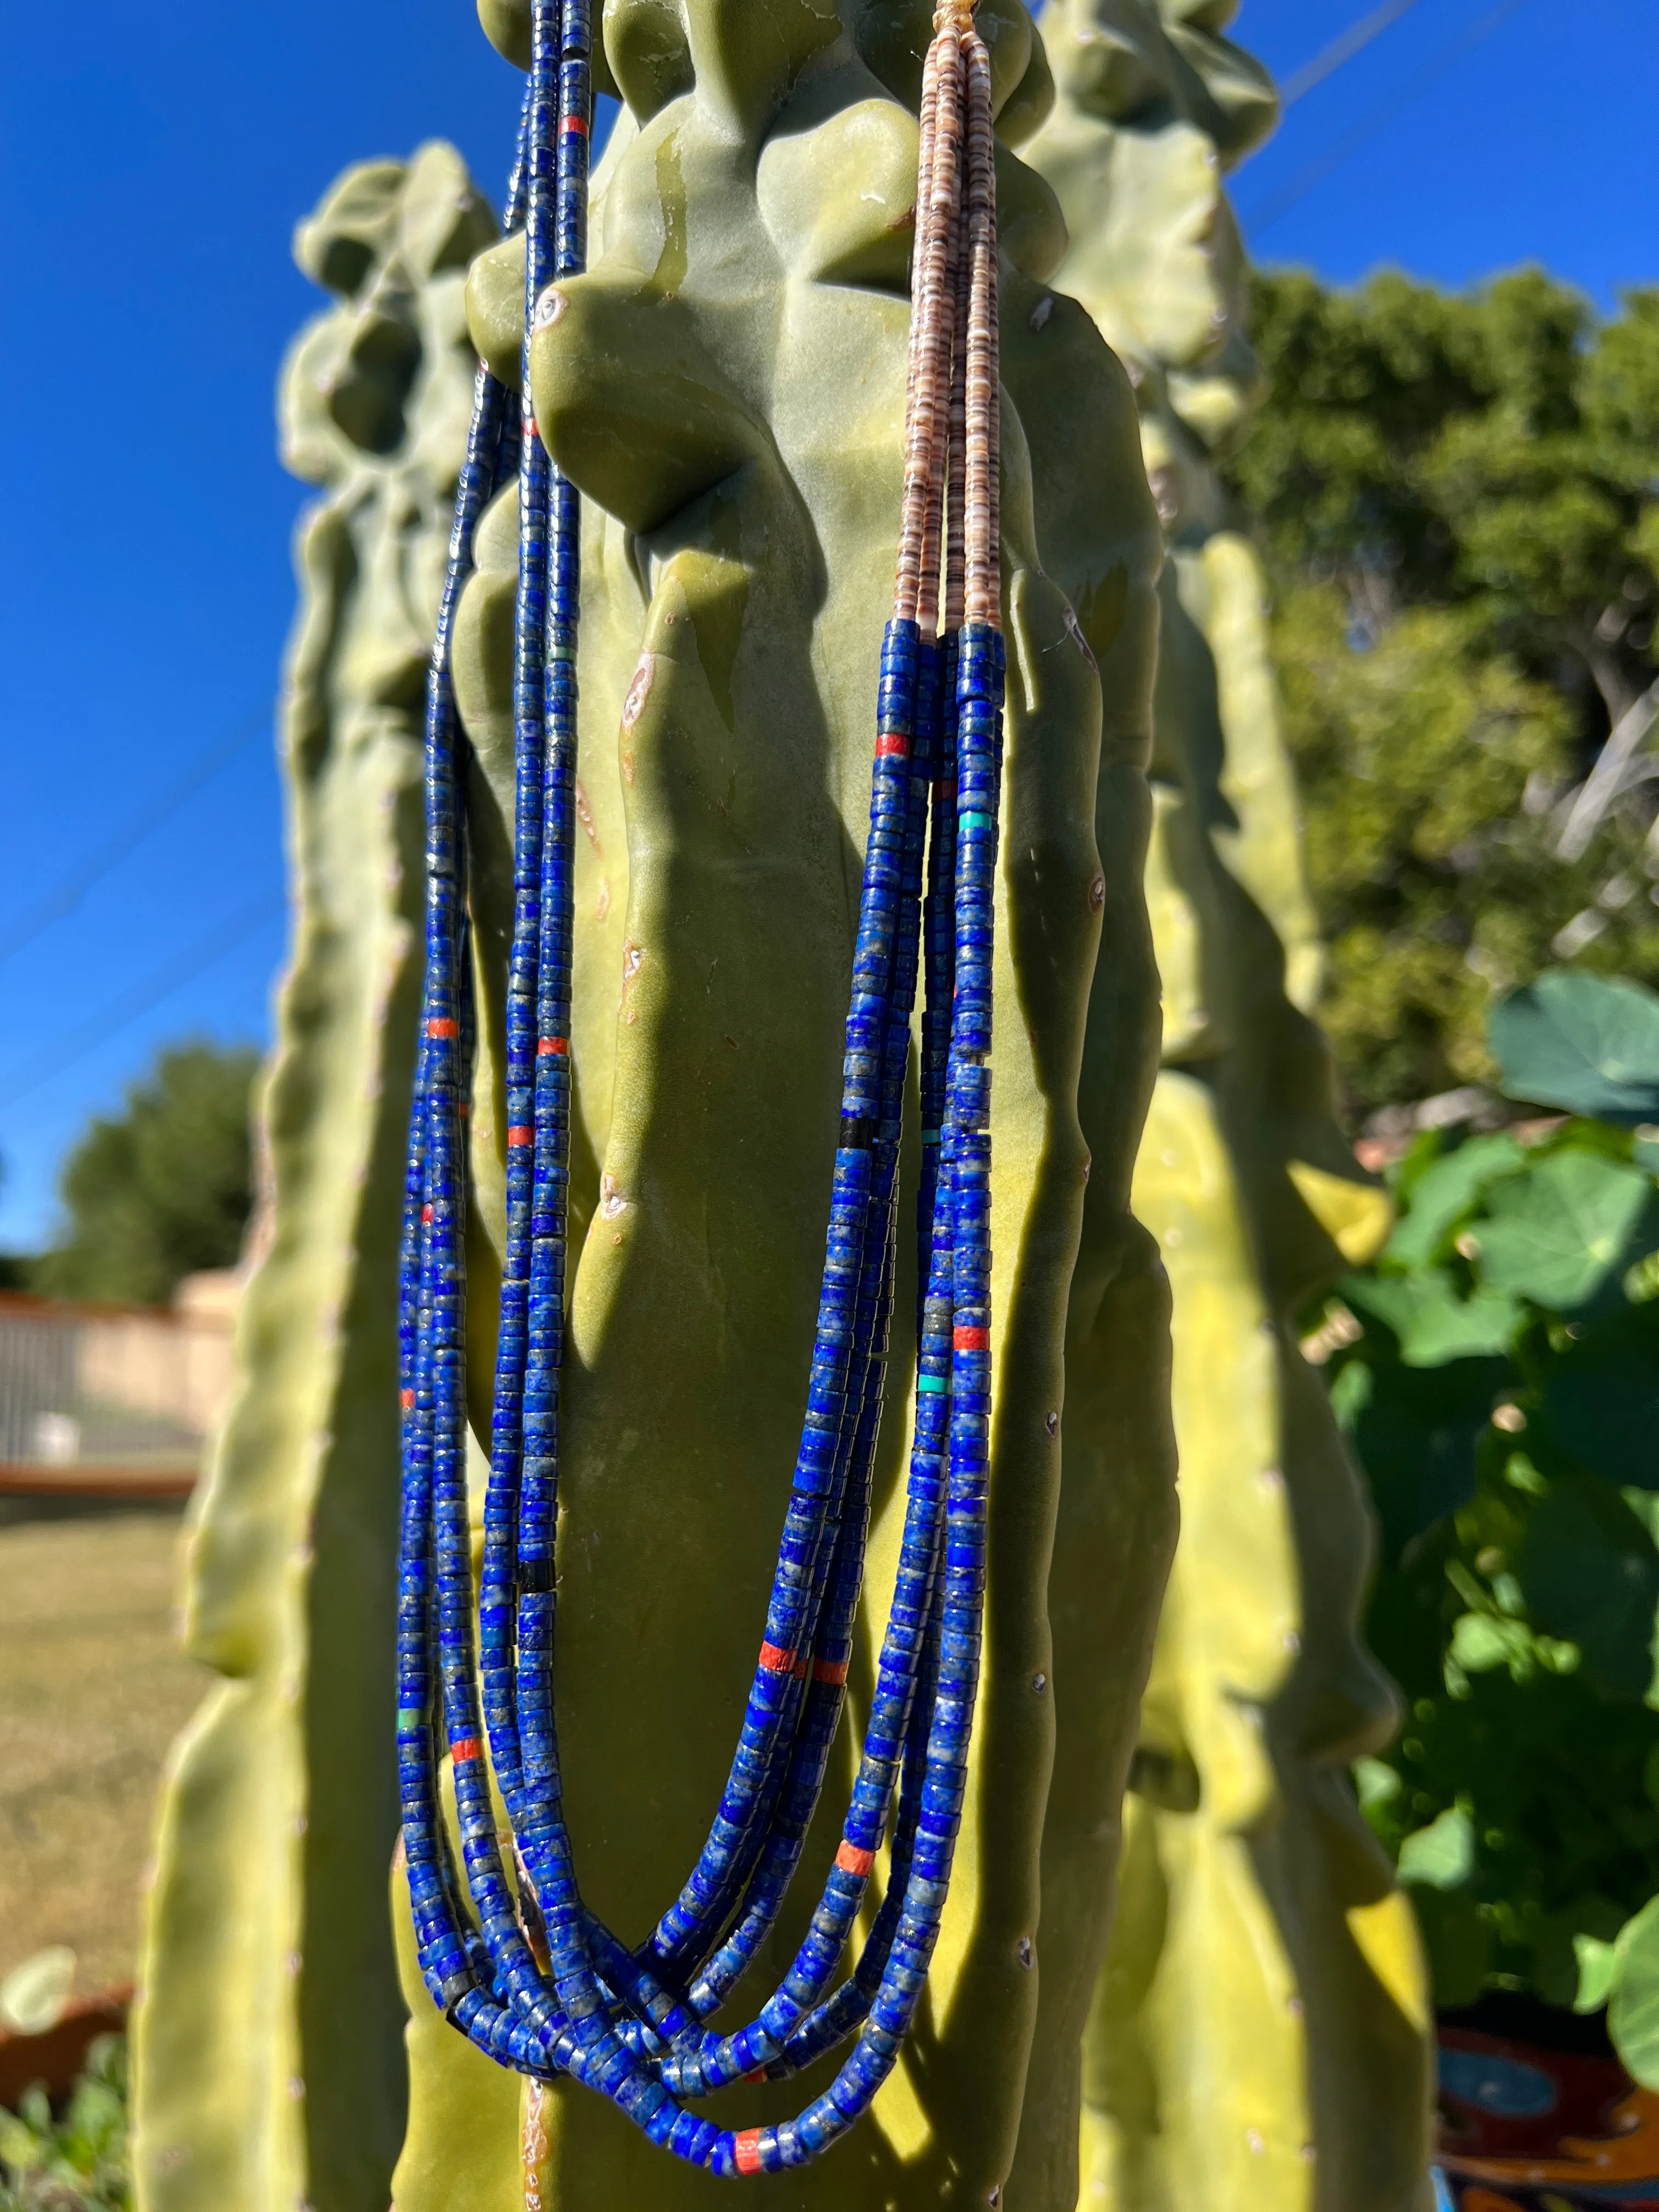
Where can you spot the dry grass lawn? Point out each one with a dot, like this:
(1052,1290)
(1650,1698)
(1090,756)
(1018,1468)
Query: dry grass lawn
(92,1690)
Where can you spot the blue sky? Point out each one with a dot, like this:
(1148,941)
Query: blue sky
(151,173)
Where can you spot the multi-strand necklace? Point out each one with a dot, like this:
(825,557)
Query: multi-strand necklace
(529,1973)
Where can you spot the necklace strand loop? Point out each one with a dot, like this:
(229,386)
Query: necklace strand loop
(520,1964)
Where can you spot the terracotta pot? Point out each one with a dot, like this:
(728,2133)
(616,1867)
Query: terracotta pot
(56,2055)
(1537,2115)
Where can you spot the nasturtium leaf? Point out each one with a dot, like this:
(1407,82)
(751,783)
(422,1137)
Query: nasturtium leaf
(1450,1327)
(1392,1299)
(1431,1324)
(1556,1974)
(1441,1855)
(1376,1782)
(1633,2007)
(1554,1235)
(1479,1642)
(1591,1575)
(1443,1194)
(1602,1400)
(1586,1042)
(1595,1961)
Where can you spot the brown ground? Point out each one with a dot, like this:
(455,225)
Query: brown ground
(92,1689)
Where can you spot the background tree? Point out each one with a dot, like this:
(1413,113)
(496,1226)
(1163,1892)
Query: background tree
(1456,499)
(162,1189)
(14,1266)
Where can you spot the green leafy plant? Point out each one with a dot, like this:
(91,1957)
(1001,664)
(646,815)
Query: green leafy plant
(1498,1374)
(77,2162)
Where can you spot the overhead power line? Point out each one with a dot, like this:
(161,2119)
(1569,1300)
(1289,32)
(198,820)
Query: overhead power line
(1354,40)
(1307,179)
(66,895)
(205,952)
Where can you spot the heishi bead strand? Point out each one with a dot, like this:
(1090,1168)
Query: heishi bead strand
(868,1275)
(453,1961)
(761,2043)
(765,2044)
(769,2149)
(539,1984)
(857,1201)
(431,1878)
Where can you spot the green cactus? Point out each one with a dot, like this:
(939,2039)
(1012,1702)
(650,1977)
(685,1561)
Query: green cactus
(726,388)
(1259,2036)
(267,2037)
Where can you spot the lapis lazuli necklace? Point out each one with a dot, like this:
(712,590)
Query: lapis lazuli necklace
(520,1964)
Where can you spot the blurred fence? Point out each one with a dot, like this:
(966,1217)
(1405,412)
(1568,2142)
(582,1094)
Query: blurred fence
(101,1398)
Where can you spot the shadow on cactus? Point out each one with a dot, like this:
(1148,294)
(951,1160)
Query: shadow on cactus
(1498,1371)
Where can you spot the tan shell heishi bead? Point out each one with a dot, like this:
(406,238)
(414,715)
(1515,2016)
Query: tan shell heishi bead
(951,477)
(926,309)
(994,378)
(927,590)
(907,581)
(994,327)
(984,593)
(957,459)
(948,343)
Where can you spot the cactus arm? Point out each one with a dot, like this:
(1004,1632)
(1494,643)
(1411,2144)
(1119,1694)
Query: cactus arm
(268,2060)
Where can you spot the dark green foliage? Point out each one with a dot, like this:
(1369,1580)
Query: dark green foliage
(1502,1394)
(164,1188)
(77,2163)
(1455,497)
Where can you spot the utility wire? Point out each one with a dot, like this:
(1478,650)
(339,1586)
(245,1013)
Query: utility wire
(1354,40)
(206,951)
(66,895)
(1310,178)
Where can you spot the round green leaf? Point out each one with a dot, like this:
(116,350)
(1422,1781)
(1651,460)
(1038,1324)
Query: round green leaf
(1582,1041)
(1444,1195)
(1431,1324)
(1634,2008)
(1595,1961)
(1556,1235)
(1559,1952)
(1441,1855)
